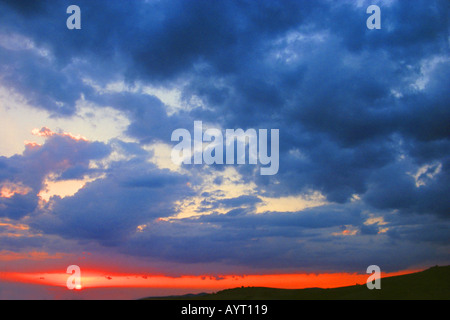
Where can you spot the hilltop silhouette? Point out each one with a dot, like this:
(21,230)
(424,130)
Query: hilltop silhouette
(430,284)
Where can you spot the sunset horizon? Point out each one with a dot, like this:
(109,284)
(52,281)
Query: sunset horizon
(159,148)
(186,284)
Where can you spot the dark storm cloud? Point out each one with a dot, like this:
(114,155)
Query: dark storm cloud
(408,29)
(395,189)
(335,171)
(425,115)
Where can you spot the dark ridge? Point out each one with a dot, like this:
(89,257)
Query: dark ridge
(430,284)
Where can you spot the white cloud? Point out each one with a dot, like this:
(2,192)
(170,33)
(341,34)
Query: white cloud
(94,122)
(291,203)
(426,173)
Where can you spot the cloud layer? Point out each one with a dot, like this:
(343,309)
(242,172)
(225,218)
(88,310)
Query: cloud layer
(363,118)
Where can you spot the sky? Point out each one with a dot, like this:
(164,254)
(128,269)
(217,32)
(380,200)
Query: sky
(87,179)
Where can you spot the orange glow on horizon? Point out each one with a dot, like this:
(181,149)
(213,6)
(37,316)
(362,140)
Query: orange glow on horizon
(97,279)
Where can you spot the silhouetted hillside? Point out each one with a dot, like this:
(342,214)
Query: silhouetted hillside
(431,284)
